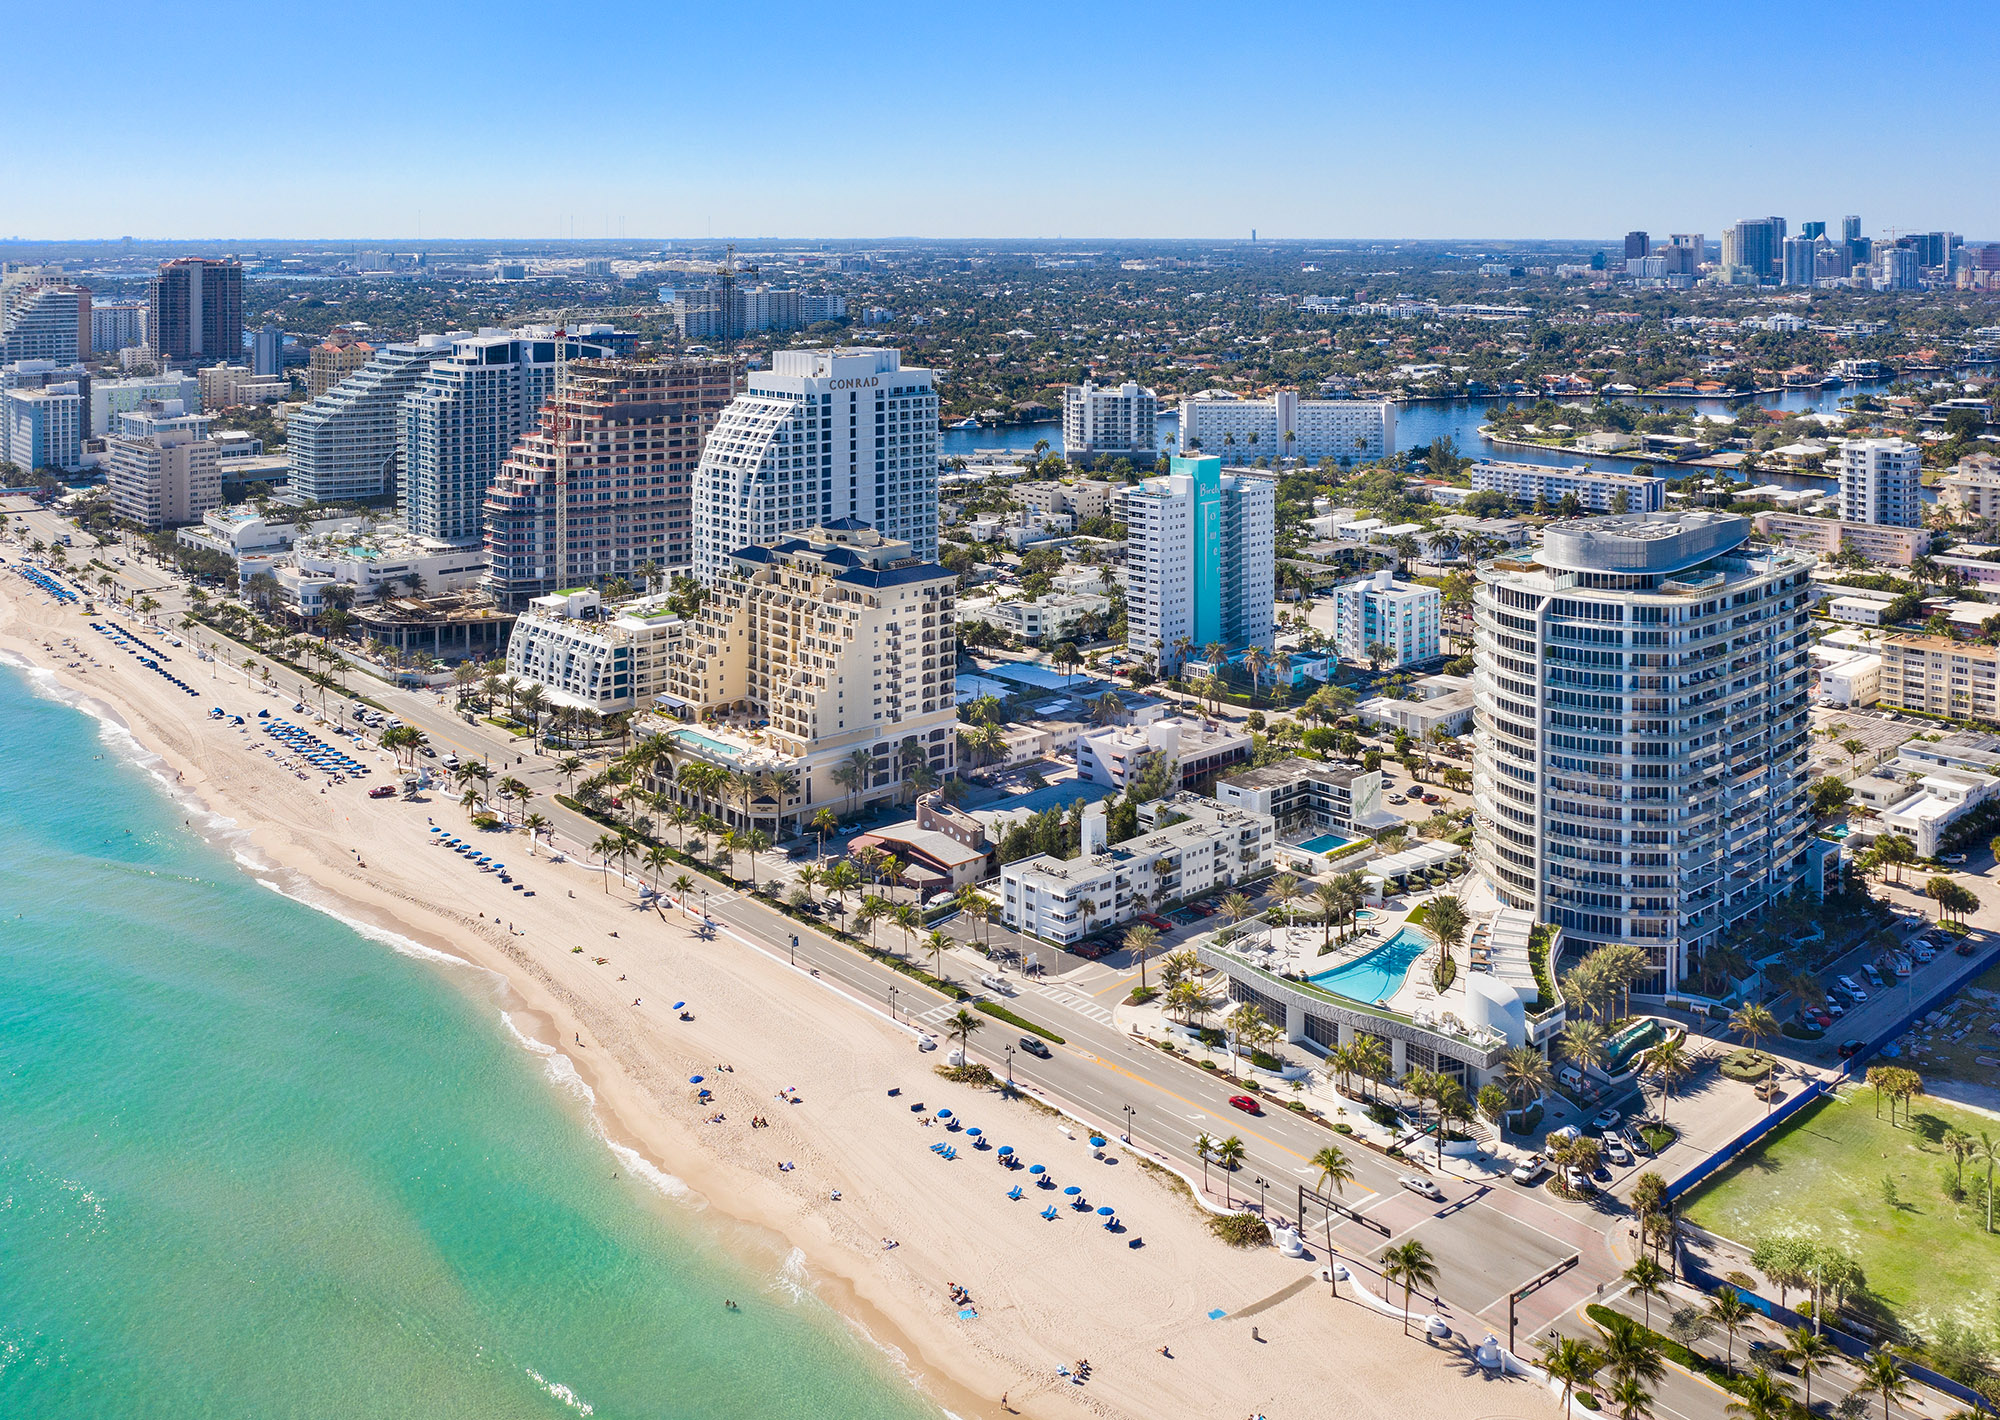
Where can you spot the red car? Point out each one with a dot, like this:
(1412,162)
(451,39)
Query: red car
(1158,924)
(382,791)
(1245,1103)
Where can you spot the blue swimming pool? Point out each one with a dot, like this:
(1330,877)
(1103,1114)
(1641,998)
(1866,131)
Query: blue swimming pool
(1325,843)
(1380,974)
(714,746)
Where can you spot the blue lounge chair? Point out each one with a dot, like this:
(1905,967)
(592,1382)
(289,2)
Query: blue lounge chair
(1014,1193)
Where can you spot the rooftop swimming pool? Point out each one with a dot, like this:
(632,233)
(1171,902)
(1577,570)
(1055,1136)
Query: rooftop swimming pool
(1378,975)
(1325,843)
(697,738)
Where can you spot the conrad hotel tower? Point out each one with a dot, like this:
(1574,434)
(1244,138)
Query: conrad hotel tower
(1640,731)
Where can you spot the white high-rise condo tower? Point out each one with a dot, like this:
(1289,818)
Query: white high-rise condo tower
(1111,422)
(824,435)
(1640,731)
(1880,482)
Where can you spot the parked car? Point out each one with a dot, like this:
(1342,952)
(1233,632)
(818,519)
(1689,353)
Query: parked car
(1431,798)
(1424,1187)
(1530,1169)
(925,1042)
(1874,976)
(1965,947)
(382,791)
(1846,983)
(1635,1141)
(1850,1048)
(1578,1181)
(1834,1008)
(1924,952)
(1606,1119)
(1615,1150)
(1158,924)
(1246,1104)
(1034,1047)
(1955,859)
(1564,1134)
(1397,799)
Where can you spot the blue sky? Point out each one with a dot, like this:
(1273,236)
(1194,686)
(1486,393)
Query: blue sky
(507,119)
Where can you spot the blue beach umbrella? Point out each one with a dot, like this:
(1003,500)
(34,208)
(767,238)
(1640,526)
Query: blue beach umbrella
(1096,1142)
(694,1079)
(972,1133)
(1036,1168)
(944,1114)
(1005,1150)
(1106,1212)
(1072,1190)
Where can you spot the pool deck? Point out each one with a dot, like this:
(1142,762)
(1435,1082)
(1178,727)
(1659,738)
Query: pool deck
(1297,950)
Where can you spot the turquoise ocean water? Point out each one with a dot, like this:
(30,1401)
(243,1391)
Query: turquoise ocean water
(254,1164)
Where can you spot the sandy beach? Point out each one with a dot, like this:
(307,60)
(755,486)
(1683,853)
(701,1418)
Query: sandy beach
(590,979)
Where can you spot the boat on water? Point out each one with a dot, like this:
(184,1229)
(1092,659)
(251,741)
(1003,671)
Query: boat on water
(963,424)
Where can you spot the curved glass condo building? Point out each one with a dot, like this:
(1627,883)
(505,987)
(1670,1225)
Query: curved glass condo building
(1640,730)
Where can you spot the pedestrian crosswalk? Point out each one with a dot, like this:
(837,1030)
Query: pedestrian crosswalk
(1082,1005)
(939,1014)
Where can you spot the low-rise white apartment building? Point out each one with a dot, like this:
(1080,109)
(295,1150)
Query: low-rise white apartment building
(1080,497)
(1377,610)
(1598,490)
(1847,676)
(1065,901)
(1118,754)
(1049,619)
(1283,426)
(1885,543)
(375,564)
(1445,702)
(1315,793)
(589,658)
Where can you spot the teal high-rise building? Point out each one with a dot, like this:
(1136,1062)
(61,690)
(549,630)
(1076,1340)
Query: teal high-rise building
(1201,559)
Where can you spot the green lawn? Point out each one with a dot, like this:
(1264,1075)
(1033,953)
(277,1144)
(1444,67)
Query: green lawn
(1927,1258)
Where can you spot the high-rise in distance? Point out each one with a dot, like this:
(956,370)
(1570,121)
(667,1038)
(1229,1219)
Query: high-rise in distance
(1640,731)
(195,310)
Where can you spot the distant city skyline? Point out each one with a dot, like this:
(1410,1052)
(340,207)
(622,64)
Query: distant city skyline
(1326,122)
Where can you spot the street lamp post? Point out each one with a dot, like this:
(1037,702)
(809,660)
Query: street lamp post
(1263,1196)
(892,1003)
(795,949)
(1130,1114)
(1010,1067)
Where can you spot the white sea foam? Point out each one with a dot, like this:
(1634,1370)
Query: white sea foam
(638,1163)
(793,1279)
(559,1391)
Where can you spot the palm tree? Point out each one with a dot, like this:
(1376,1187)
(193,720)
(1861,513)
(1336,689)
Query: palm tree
(1808,1351)
(1229,1153)
(1583,1044)
(1882,1373)
(1760,1396)
(1528,1076)
(959,1027)
(1204,1146)
(1753,1021)
(1412,1265)
(1332,905)
(1668,1063)
(1633,1400)
(909,921)
(656,859)
(1333,1168)
(682,886)
(1987,1151)
(824,823)
(605,847)
(1139,941)
(872,910)
(1727,1309)
(1570,1361)
(839,880)
(936,944)
(1285,891)
(1648,1279)
(535,824)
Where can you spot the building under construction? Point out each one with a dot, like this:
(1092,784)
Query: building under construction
(626,437)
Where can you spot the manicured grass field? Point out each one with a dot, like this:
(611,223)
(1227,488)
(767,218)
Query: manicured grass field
(1821,1174)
